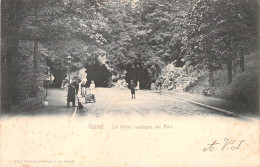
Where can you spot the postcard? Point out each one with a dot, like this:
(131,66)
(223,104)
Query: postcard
(129,83)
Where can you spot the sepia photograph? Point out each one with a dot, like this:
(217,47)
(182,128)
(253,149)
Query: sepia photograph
(130,83)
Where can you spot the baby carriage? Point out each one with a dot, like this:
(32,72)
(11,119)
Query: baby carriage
(90,98)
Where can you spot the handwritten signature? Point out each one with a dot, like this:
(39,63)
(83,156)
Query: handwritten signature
(227,144)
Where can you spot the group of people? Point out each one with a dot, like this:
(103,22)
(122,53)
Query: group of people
(84,88)
(73,90)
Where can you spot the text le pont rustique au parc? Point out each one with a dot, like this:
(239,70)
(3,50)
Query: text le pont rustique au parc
(129,126)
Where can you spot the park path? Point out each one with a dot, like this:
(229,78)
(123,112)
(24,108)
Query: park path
(147,102)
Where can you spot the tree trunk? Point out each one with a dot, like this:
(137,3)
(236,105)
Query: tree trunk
(35,57)
(10,23)
(50,75)
(211,78)
(9,81)
(229,70)
(35,67)
(242,63)
(156,75)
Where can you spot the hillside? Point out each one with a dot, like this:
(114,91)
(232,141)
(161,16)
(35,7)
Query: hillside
(243,89)
(245,85)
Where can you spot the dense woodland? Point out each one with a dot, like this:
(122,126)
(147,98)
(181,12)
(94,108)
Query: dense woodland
(140,37)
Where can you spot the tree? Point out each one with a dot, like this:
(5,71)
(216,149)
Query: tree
(218,32)
(11,20)
(26,19)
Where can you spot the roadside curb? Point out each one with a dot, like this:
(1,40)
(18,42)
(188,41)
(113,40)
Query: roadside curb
(74,113)
(214,108)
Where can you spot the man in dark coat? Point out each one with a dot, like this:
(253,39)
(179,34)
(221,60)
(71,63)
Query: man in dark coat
(76,85)
(71,95)
(132,88)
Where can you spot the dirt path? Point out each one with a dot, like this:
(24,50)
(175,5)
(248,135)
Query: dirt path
(147,102)
(118,102)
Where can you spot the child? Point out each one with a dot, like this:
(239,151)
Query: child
(83,88)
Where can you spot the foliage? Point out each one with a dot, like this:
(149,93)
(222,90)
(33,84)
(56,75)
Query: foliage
(219,31)
(144,35)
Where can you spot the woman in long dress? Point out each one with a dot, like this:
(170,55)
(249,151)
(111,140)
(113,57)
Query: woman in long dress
(92,87)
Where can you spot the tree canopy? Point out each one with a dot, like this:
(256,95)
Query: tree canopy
(134,35)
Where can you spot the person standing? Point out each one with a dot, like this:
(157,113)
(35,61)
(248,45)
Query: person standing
(159,86)
(71,95)
(92,87)
(76,86)
(83,88)
(132,88)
